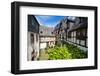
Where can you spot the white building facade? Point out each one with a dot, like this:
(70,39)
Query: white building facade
(32,38)
(47,37)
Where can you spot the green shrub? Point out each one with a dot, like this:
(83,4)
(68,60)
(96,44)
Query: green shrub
(66,51)
(59,53)
(76,52)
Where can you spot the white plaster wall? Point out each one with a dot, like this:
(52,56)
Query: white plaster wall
(74,40)
(43,45)
(34,46)
(29,47)
(77,41)
(82,42)
(87,42)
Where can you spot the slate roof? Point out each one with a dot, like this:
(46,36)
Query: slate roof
(46,31)
(78,25)
(57,27)
(63,23)
(33,25)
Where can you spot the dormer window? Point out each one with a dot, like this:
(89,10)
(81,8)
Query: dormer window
(41,32)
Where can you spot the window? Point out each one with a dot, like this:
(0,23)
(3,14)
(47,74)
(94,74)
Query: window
(32,38)
(78,34)
(81,34)
(69,34)
(41,32)
(37,37)
(51,32)
(68,24)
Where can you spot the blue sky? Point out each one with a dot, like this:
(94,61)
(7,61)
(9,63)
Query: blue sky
(50,21)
